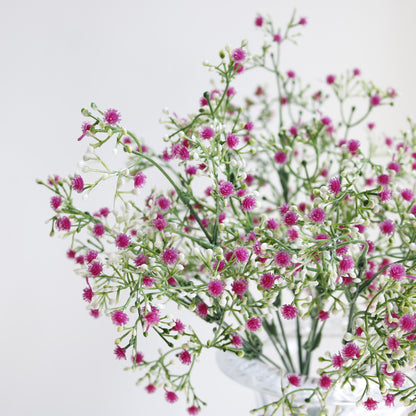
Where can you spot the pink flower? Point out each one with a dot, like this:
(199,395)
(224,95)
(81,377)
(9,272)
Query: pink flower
(185,357)
(139,180)
(356,72)
(138,359)
(290,218)
(150,388)
(346,264)
(56,202)
(280,157)
(337,361)
(383,179)
(95,269)
(302,21)
(216,287)
(277,37)
(292,234)
(226,189)
(119,318)
(87,294)
(78,184)
(112,116)
(249,126)
(385,195)
(258,21)
(398,379)
(238,55)
(272,224)
(267,281)
(232,140)
(392,343)
(120,352)
(289,311)
(85,128)
(397,271)
(294,380)
(179,327)
(63,224)
(407,323)
(241,254)
(253,324)
(236,341)
(239,286)
(330,79)
(193,410)
(179,151)
(95,313)
(317,215)
(387,227)
(202,309)
(283,259)
(325,382)
(248,203)
(164,203)
(353,146)
(351,350)
(323,315)
(407,195)
(370,404)
(91,255)
(140,260)
(170,256)
(171,396)
(122,241)
(98,230)
(207,132)
(334,186)
(152,317)
(160,222)
(389,399)
(375,100)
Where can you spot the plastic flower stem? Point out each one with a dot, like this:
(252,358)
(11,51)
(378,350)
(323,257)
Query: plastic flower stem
(299,341)
(182,196)
(286,348)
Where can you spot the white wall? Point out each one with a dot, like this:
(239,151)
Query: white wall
(136,56)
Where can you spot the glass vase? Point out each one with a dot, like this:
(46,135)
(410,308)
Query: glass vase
(267,380)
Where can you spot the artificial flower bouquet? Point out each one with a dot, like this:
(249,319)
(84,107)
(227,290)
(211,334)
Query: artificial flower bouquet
(282,210)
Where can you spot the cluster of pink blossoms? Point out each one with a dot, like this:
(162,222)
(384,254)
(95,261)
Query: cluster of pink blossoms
(258,233)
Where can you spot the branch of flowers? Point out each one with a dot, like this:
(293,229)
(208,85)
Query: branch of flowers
(184,198)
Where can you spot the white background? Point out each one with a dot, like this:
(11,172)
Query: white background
(136,56)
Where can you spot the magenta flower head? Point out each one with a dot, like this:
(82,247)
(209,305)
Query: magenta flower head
(63,223)
(185,357)
(238,55)
(119,318)
(112,116)
(239,286)
(226,189)
(289,311)
(241,254)
(216,287)
(248,203)
(171,397)
(139,180)
(397,271)
(253,324)
(334,186)
(170,256)
(207,132)
(56,202)
(232,140)
(351,350)
(258,21)
(77,184)
(375,100)
(317,215)
(122,241)
(283,259)
(330,79)
(280,157)
(294,380)
(387,227)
